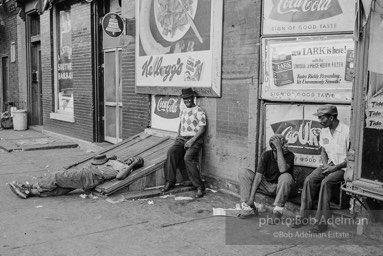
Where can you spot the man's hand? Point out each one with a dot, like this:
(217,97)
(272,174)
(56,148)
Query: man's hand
(189,143)
(277,142)
(250,202)
(328,169)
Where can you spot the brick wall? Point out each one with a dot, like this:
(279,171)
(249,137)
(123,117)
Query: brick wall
(136,107)
(82,128)
(8,34)
(231,139)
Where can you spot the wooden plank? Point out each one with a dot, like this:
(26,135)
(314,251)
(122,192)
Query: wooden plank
(144,149)
(109,188)
(164,146)
(154,151)
(128,142)
(134,195)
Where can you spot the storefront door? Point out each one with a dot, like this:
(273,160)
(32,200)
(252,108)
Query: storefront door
(36,89)
(112,95)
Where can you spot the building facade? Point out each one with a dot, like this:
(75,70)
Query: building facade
(110,69)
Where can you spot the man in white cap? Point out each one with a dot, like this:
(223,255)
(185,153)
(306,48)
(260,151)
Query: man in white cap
(334,142)
(274,176)
(63,181)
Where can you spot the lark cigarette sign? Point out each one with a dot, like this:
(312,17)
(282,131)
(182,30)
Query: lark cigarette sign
(310,69)
(307,16)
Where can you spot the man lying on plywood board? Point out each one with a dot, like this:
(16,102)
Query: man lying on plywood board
(87,178)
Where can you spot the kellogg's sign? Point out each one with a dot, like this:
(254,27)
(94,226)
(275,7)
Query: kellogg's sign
(307,16)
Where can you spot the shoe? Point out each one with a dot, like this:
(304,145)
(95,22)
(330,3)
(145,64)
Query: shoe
(19,191)
(276,218)
(318,228)
(200,192)
(186,183)
(168,186)
(247,211)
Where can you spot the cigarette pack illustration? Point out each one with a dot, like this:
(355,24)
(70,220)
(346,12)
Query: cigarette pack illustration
(282,70)
(349,73)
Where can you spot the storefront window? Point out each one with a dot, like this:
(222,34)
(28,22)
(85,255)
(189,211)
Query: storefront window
(64,90)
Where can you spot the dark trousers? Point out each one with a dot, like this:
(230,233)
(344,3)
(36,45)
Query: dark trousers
(316,183)
(178,154)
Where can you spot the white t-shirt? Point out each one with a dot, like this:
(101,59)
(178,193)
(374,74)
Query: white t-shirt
(336,145)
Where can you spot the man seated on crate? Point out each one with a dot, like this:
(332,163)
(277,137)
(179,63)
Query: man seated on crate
(274,176)
(334,142)
(87,178)
(187,145)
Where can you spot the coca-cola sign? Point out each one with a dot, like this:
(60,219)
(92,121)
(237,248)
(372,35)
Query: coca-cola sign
(304,10)
(302,135)
(167,107)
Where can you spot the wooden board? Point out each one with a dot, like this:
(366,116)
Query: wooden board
(153,150)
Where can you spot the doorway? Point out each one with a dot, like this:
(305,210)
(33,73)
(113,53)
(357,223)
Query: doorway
(36,85)
(34,69)
(112,80)
(112,95)
(4,82)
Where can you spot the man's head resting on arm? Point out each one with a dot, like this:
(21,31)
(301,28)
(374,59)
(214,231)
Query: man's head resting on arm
(278,139)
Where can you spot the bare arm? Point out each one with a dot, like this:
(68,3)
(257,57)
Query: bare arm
(332,167)
(254,187)
(281,161)
(124,172)
(200,132)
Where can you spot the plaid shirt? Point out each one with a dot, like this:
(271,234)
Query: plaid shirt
(192,119)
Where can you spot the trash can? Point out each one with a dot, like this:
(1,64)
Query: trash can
(20,120)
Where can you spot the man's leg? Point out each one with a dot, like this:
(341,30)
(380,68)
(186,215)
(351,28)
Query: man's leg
(65,181)
(325,193)
(286,185)
(174,157)
(246,178)
(310,190)
(191,163)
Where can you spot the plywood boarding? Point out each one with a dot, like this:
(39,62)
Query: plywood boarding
(152,149)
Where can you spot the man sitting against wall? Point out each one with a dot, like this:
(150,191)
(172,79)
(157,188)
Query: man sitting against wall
(187,145)
(334,142)
(274,176)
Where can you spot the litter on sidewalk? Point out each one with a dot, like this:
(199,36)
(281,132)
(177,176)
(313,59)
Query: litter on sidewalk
(180,198)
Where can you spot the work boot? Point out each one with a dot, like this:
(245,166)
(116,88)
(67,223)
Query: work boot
(168,186)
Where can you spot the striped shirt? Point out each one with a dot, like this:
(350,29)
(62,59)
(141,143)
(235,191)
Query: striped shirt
(110,169)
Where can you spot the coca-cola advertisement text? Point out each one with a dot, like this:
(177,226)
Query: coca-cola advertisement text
(307,16)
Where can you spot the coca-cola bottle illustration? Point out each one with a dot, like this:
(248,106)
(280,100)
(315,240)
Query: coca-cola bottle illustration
(282,69)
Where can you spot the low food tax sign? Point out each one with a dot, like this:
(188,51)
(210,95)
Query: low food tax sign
(308,69)
(308,16)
